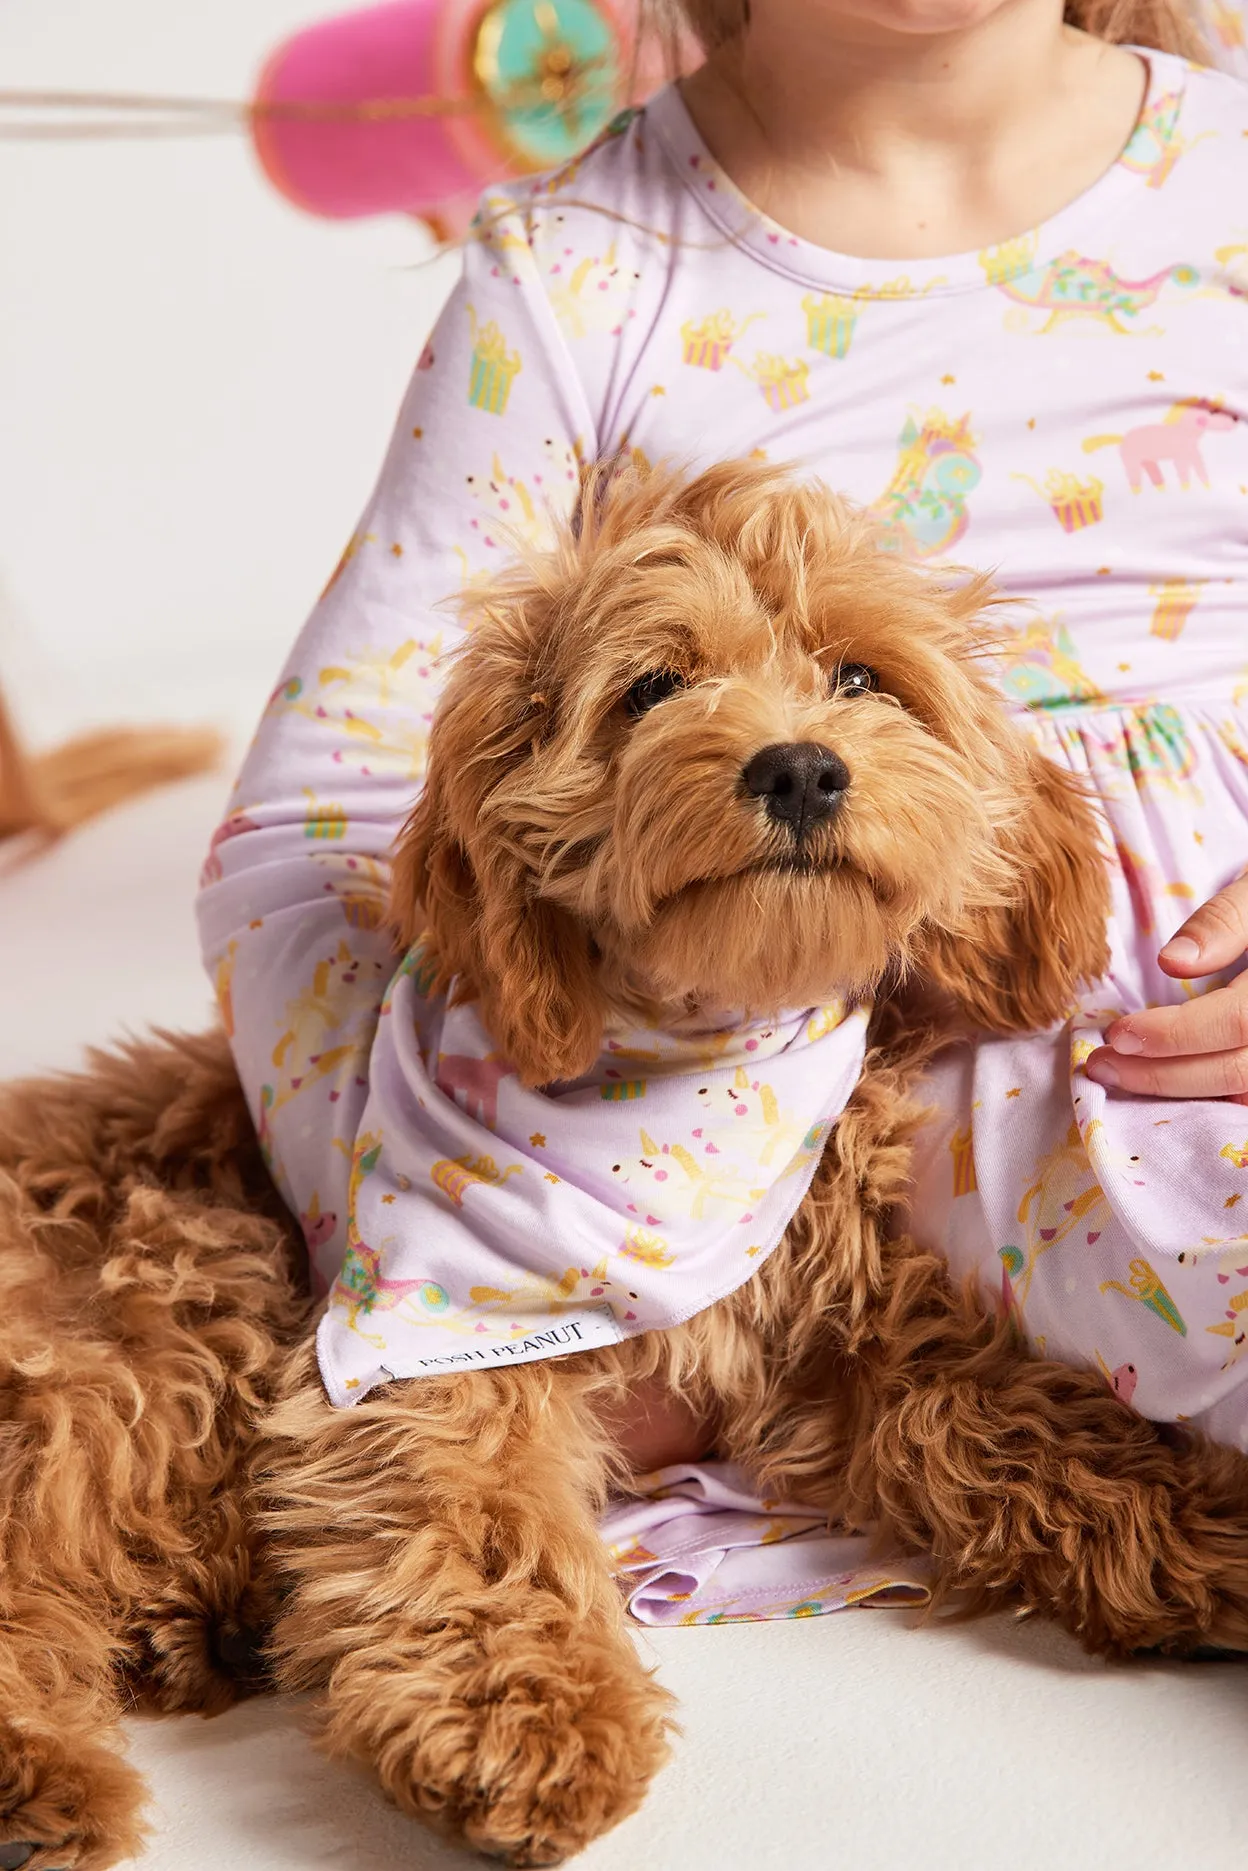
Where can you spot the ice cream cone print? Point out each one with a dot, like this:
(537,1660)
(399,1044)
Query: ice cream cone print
(1148,1289)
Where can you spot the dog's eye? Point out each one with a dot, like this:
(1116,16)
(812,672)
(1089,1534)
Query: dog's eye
(855,679)
(651,689)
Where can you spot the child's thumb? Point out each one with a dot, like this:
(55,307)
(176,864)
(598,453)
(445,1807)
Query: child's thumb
(1215,936)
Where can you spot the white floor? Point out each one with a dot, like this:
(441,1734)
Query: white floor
(196,384)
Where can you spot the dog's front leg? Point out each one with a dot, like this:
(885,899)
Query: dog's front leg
(1031,1483)
(451,1600)
(68,1797)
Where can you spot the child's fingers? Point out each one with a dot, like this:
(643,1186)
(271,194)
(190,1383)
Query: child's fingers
(1216,1022)
(1214,936)
(1202,1075)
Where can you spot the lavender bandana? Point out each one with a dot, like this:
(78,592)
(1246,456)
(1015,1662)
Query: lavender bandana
(489,1224)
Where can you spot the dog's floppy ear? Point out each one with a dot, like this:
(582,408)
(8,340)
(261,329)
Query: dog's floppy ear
(1014,968)
(525,961)
(460,888)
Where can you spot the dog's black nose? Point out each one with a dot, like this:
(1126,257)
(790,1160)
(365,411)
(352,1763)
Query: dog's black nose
(799,782)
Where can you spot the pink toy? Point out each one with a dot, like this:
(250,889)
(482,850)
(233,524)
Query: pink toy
(414,106)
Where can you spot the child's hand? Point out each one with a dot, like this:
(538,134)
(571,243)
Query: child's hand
(1199,1050)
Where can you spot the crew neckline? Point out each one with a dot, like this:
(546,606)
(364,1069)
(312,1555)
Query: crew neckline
(1148,153)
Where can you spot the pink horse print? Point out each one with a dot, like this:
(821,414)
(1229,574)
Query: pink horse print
(1176,440)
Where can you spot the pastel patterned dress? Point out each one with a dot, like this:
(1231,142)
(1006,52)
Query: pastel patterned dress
(1068,410)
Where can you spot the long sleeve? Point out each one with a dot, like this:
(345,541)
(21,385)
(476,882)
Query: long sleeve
(293,895)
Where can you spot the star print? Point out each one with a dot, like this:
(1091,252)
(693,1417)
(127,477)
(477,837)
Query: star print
(1103,571)
(258,924)
(388,1198)
(1031,422)
(947,378)
(397,550)
(537,1140)
(658,390)
(1124,668)
(1156,376)
(1199,837)
(549,1178)
(1015,1091)
(1231,1201)
(417,434)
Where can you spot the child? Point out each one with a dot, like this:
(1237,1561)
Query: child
(986,273)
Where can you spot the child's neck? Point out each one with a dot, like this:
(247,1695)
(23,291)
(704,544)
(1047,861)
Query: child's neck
(915,145)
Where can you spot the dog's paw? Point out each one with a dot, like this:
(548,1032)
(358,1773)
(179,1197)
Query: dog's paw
(187,1661)
(65,1806)
(520,1747)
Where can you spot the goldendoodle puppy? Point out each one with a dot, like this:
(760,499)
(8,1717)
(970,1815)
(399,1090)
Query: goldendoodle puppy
(428,1562)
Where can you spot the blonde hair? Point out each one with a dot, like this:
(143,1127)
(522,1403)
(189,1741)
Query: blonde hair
(1167,25)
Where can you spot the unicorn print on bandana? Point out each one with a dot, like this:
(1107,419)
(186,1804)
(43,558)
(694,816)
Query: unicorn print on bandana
(661,1220)
(665,1180)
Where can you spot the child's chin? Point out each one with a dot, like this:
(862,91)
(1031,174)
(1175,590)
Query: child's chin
(920,17)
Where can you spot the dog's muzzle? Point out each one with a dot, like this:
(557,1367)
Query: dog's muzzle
(800,784)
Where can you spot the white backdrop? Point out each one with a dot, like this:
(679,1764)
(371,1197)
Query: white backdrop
(196,379)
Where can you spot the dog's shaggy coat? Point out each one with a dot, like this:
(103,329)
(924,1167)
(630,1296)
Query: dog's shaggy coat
(173,1482)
